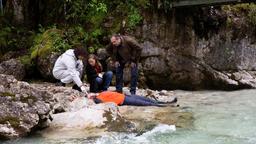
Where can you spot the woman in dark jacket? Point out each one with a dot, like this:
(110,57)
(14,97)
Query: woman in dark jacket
(99,80)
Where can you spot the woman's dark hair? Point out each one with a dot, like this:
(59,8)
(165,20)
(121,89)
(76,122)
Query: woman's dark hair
(80,52)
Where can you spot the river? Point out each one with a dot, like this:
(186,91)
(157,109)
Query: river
(219,118)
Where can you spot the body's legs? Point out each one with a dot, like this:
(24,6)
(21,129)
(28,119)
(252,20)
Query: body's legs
(119,78)
(145,99)
(134,79)
(139,101)
(154,101)
(107,78)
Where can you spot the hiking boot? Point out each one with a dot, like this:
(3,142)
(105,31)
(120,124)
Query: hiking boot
(75,87)
(60,84)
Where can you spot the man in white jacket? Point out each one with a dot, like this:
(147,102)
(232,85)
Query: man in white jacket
(69,68)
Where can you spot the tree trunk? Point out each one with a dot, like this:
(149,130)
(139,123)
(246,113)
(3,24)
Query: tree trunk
(18,11)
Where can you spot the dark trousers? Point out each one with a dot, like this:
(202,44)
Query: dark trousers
(136,100)
(103,84)
(119,78)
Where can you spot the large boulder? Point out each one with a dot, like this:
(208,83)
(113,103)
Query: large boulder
(45,51)
(45,65)
(23,107)
(89,121)
(13,67)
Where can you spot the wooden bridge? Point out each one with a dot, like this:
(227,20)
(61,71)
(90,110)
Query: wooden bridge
(183,3)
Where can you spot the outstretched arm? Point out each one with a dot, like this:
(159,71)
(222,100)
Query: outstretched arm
(92,95)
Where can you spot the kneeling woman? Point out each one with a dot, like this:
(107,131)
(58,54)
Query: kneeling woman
(121,99)
(99,80)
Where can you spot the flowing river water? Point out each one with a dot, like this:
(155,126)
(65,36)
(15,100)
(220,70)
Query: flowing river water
(219,118)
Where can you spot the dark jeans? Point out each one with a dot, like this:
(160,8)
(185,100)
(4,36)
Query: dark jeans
(119,78)
(101,83)
(136,100)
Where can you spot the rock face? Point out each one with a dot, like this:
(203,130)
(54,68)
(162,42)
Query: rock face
(13,67)
(197,49)
(23,107)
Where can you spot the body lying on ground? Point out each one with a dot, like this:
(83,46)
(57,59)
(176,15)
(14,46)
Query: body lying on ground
(122,99)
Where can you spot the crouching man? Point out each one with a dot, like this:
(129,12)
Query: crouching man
(69,68)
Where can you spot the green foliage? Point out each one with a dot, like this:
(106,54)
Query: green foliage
(76,35)
(52,40)
(77,22)
(134,17)
(252,14)
(80,11)
(14,38)
(55,39)
(25,59)
(5,35)
(246,10)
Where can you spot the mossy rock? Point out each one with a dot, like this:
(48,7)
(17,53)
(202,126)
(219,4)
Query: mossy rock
(6,94)
(47,47)
(14,121)
(30,100)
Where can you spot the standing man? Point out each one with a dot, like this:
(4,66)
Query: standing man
(69,68)
(125,50)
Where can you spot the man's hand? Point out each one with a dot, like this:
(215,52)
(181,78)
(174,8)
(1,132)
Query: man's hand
(133,65)
(117,64)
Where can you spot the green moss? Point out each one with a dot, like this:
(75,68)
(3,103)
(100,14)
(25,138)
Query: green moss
(23,99)
(25,60)
(7,94)
(27,99)
(52,40)
(14,121)
(118,125)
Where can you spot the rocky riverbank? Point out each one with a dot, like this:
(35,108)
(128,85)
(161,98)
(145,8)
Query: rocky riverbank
(45,108)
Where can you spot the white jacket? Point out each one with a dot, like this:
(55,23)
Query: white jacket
(68,63)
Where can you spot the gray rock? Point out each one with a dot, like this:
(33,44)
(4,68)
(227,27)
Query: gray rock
(46,64)
(23,107)
(13,67)
(92,120)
